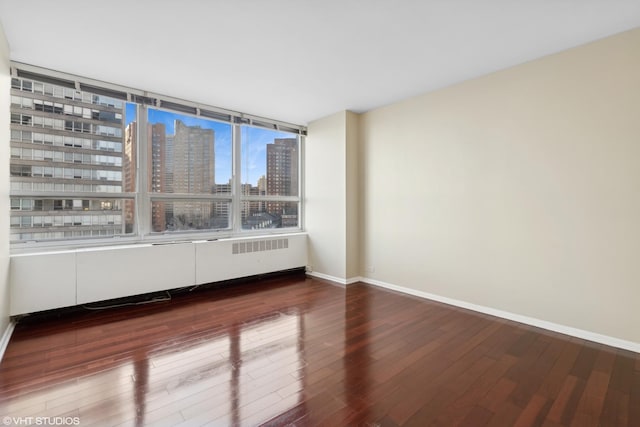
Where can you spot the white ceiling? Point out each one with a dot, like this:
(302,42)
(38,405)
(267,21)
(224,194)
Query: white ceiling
(299,60)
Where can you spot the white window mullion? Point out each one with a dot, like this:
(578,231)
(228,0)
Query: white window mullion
(236,211)
(301,175)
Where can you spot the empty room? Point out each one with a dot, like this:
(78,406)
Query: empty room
(301,213)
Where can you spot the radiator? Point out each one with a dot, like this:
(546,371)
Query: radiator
(48,280)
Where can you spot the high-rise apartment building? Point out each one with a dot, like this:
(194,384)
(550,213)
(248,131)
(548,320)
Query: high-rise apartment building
(168,164)
(129,170)
(282,178)
(66,154)
(261,206)
(156,171)
(193,159)
(250,207)
(157,176)
(193,173)
(262,185)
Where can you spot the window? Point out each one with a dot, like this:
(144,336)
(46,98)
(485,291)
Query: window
(53,161)
(189,159)
(90,166)
(270,179)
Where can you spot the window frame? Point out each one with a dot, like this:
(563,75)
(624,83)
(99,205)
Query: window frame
(143,197)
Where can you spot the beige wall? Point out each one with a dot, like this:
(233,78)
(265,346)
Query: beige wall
(518,191)
(330,195)
(352,195)
(325,195)
(5,84)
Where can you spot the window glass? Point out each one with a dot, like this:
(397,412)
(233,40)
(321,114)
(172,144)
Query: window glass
(98,216)
(269,162)
(269,168)
(189,215)
(269,214)
(188,155)
(75,169)
(60,124)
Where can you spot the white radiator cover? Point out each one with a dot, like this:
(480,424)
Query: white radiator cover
(106,274)
(223,260)
(47,280)
(42,281)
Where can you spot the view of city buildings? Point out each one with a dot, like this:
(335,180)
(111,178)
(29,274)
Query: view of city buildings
(193,172)
(282,178)
(159,178)
(64,141)
(129,174)
(75,157)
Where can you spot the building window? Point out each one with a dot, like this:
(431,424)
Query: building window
(90,166)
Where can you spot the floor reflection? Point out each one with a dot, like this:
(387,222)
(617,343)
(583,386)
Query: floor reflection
(356,344)
(248,371)
(270,367)
(141,381)
(236,360)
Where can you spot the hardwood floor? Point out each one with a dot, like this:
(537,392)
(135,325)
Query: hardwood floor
(299,351)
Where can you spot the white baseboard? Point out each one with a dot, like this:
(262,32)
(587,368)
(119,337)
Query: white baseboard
(339,280)
(567,330)
(4,341)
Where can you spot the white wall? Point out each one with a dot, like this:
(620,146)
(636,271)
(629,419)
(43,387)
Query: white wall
(518,191)
(5,84)
(330,204)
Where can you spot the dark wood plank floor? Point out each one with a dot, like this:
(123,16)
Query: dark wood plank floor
(299,351)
